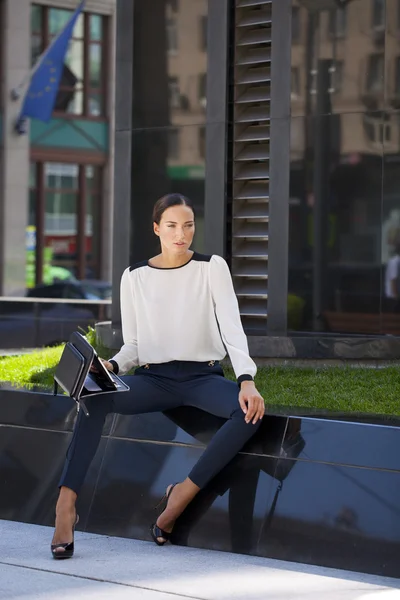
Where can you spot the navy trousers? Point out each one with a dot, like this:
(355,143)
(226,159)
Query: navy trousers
(155,388)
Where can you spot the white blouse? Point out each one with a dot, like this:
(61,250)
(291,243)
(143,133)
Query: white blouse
(188,313)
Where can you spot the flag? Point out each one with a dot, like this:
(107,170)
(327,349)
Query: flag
(43,87)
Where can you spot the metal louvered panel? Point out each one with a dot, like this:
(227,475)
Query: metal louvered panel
(257,269)
(253,307)
(254,75)
(253,94)
(252,288)
(253,56)
(253,113)
(250,159)
(253,152)
(250,3)
(252,191)
(258,16)
(251,210)
(253,133)
(254,36)
(251,249)
(252,229)
(252,171)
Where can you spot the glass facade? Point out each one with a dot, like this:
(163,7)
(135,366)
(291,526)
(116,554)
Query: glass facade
(344,233)
(169,112)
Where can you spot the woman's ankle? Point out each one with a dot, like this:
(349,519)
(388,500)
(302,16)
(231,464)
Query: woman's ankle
(66,500)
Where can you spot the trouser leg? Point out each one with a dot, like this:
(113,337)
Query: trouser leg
(145,395)
(219,396)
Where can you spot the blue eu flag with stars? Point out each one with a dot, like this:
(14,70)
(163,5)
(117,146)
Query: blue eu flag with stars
(43,87)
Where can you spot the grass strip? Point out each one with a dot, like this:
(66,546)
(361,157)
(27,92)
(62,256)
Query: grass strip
(344,389)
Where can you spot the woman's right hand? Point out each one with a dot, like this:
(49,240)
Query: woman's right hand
(107,365)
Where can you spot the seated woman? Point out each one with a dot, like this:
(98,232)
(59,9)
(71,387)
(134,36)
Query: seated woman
(179,316)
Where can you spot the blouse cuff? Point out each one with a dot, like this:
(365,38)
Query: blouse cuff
(244,377)
(115,366)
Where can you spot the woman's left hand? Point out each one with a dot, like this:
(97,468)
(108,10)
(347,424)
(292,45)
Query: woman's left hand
(251,402)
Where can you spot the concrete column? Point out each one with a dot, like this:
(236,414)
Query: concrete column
(108,180)
(15,179)
(122,148)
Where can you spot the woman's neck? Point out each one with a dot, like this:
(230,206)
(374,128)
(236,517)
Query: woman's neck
(166,260)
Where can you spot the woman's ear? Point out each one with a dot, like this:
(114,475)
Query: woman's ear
(156,229)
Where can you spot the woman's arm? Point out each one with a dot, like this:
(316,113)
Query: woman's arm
(127,357)
(228,316)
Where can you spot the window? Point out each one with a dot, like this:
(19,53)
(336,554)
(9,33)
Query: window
(202,142)
(173,4)
(172,35)
(376,131)
(203,32)
(174,92)
(378,14)
(2,27)
(338,22)
(295,25)
(337,76)
(202,89)
(397,76)
(295,78)
(36,33)
(83,82)
(173,144)
(375,73)
(386,134)
(398,15)
(64,214)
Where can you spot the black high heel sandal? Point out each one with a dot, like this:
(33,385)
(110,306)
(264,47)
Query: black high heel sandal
(156,531)
(68,548)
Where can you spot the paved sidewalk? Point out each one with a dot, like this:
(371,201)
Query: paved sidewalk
(107,568)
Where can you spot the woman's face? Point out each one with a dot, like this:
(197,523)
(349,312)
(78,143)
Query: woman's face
(176,229)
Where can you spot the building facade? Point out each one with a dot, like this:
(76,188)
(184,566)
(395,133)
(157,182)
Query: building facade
(296,121)
(279,118)
(56,179)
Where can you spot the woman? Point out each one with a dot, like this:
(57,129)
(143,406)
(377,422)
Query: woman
(179,316)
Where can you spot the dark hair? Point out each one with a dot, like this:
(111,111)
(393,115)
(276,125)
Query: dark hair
(166,202)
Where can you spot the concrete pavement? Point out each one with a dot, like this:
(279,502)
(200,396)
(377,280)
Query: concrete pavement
(117,569)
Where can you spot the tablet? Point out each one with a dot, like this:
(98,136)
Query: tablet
(70,370)
(91,355)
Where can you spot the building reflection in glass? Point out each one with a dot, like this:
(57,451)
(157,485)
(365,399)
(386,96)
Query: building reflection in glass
(344,180)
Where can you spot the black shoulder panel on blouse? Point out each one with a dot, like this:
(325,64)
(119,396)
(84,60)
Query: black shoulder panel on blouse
(142,263)
(201,257)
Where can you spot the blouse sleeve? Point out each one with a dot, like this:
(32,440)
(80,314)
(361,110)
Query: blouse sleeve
(127,357)
(228,317)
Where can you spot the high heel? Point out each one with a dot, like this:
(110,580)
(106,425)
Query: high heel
(156,531)
(68,548)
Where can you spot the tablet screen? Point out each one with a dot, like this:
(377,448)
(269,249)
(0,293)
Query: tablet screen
(102,371)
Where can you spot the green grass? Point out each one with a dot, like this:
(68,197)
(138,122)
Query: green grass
(348,389)
(36,368)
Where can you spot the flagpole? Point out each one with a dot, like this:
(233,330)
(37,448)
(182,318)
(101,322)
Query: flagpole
(16,91)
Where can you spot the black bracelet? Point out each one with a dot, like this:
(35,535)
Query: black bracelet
(244,377)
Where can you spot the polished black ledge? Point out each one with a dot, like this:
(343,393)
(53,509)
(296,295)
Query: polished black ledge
(315,490)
